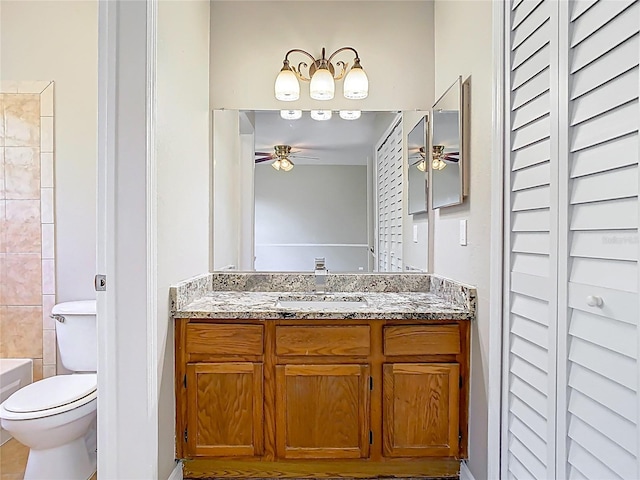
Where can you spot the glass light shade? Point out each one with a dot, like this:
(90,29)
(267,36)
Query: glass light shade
(321,114)
(291,114)
(286,165)
(322,85)
(287,87)
(276,164)
(350,114)
(356,84)
(435,163)
(422,165)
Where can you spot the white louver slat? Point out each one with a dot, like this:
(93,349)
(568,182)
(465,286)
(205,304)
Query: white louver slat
(598,346)
(389,167)
(529,406)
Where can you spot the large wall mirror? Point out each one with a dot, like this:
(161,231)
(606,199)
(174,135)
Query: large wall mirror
(288,188)
(446,148)
(417,167)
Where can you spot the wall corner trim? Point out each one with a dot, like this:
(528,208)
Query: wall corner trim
(465,473)
(176,473)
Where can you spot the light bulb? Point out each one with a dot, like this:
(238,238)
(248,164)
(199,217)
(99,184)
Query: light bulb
(321,114)
(322,86)
(276,164)
(291,114)
(287,87)
(350,114)
(356,83)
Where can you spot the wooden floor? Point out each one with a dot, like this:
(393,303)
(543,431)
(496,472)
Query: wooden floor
(433,468)
(13,461)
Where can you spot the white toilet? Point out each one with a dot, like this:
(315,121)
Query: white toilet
(56,417)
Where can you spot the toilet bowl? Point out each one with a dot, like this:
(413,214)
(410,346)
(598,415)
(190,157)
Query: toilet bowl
(53,417)
(56,417)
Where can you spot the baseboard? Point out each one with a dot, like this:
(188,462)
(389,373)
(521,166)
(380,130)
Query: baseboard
(465,473)
(176,474)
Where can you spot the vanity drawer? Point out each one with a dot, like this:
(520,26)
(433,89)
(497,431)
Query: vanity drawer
(227,339)
(322,341)
(422,340)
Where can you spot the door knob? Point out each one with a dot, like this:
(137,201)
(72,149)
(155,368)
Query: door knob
(594,301)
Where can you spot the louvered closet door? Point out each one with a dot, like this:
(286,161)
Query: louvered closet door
(390,189)
(598,345)
(570,402)
(529,401)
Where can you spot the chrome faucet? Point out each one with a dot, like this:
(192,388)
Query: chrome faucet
(321,275)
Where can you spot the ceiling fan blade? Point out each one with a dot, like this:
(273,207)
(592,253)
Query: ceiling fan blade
(304,156)
(265,159)
(261,154)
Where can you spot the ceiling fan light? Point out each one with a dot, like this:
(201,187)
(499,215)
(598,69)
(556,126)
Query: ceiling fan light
(276,164)
(287,87)
(291,114)
(356,83)
(322,85)
(350,114)
(321,114)
(286,165)
(422,165)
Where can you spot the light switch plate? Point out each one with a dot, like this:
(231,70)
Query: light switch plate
(415,234)
(463,232)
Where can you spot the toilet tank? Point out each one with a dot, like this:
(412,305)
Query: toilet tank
(76,332)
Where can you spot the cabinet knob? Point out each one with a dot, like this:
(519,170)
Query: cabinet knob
(594,301)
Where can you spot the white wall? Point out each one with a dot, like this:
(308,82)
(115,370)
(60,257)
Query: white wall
(226,188)
(469,54)
(315,205)
(183,181)
(250,39)
(43,40)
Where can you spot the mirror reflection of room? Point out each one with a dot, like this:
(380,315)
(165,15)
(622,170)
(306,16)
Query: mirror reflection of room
(334,189)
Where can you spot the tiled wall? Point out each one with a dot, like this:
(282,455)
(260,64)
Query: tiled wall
(27,251)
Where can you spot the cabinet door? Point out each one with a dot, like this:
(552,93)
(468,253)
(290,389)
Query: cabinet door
(322,411)
(420,409)
(224,405)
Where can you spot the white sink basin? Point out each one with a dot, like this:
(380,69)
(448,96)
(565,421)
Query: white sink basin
(332,305)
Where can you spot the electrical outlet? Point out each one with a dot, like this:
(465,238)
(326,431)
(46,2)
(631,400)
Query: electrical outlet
(463,232)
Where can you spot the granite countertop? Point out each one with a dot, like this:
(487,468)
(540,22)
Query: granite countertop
(262,305)
(254,296)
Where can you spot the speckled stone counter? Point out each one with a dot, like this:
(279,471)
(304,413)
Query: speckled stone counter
(386,296)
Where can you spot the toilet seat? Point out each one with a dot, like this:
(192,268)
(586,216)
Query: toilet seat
(50,396)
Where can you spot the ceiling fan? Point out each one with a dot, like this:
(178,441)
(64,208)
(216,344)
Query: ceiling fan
(281,155)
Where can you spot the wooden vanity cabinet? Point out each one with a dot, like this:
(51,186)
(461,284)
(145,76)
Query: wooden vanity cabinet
(322,391)
(219,380)
(308,390)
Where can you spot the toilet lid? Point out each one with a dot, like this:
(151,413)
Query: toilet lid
(51,392)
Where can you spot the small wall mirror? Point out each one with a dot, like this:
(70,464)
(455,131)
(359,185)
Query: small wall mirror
(417,167)
(446,148)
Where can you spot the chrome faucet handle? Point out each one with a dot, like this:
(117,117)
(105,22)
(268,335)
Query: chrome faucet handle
(320,263)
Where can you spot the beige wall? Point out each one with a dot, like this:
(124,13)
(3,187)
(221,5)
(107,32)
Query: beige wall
(45,40)
(469,54)
(394,41)
(183,181)
(27,253)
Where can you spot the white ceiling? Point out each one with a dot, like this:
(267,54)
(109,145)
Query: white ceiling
(333,142)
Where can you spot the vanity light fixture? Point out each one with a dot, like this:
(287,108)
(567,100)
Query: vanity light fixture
(321,114)
(437,153)
(291,114)
(322,75)
(350,114)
